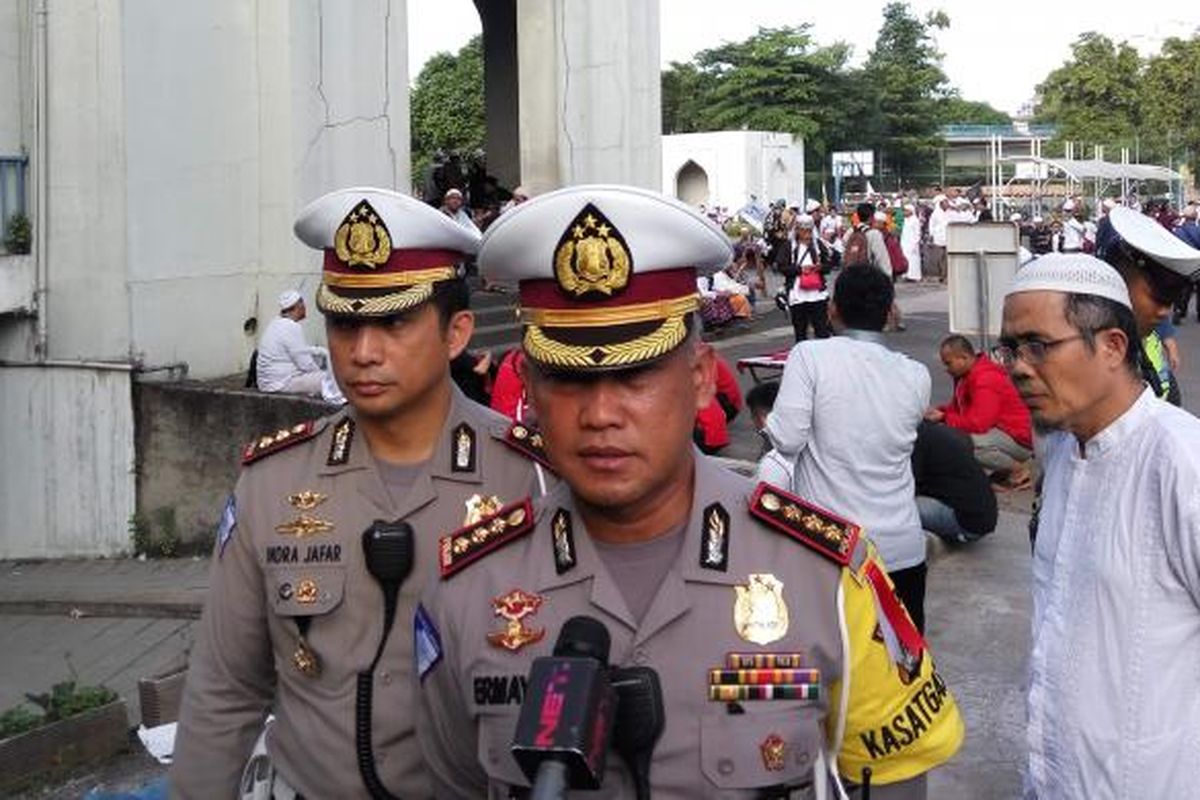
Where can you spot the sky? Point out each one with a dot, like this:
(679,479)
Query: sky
(994,52)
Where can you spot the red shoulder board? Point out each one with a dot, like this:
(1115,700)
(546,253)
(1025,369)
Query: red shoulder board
(527,440)
(279,440)
(471,543)
(823,531)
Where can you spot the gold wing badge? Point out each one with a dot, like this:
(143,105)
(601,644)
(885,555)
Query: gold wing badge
(592,255)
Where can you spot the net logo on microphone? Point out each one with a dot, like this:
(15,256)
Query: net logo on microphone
(552,705)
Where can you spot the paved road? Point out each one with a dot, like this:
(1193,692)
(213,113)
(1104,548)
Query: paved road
(977,608)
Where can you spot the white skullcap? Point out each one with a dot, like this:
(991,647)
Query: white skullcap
(804,221)
(811,206)
(939,198)
(910,207)
(1014,217)
(453,193)
(880,216)
(1069,205)
(289,298)
(1109,203)
(1038,220)
(1071,273)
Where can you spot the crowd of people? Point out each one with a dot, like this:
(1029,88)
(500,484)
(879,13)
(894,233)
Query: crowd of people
(400,584)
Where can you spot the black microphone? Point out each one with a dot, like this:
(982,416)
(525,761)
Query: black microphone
(563,729)
(388,553)
(639,722)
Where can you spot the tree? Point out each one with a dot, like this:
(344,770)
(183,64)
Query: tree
(1171,104)
(447,105)
(1095,96)
(685,96)
(954,110)
(905,68)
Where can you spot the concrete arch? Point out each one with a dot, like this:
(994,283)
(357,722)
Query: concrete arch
(777,178)
(691,183)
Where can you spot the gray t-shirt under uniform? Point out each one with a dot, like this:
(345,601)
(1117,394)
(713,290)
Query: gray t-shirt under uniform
(638,568)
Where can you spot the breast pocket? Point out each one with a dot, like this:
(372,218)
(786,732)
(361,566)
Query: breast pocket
(305,591)
(761,749)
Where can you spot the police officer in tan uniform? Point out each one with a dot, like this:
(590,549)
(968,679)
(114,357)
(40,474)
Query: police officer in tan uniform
(787,664)
(295,615)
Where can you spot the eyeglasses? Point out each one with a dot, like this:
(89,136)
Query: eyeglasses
(1031,351)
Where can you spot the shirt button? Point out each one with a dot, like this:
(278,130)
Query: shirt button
(725,766)
(640,657)
(385,676)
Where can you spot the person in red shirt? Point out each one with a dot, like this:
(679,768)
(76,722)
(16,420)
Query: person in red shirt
(712,421)
(986,406)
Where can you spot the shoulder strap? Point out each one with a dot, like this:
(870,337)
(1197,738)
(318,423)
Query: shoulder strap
(828,534)
(527,440)
(472,542)
(281,439)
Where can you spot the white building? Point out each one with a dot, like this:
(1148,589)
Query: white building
(729,168)
(161,149)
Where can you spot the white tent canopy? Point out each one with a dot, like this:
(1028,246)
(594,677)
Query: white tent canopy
(1093,169)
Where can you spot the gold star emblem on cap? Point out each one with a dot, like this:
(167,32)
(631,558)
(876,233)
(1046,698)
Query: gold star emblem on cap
(362,239)
(592,255)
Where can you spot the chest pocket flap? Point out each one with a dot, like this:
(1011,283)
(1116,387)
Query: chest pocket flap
(755,750)
(306,591)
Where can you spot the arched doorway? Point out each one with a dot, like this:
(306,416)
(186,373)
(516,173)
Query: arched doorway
(777,180)
(691,184)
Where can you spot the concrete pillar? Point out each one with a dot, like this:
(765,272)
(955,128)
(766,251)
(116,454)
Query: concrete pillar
(500,87)
(590,94)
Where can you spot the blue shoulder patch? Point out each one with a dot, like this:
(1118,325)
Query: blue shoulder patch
(228,524)
(427,642)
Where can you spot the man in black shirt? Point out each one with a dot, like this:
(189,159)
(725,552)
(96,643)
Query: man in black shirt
(954,498)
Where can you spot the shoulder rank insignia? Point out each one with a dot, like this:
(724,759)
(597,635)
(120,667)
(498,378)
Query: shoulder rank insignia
(470,543)
(827,533)
(714,544)
(527,440)
(564,541)
(339,444)
(274,442)
(462,449)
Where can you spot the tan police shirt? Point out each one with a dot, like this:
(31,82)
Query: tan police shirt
(745,593)
(294,553)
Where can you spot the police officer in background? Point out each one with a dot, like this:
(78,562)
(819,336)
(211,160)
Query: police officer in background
(787,663)
(296,622)
(1158,268)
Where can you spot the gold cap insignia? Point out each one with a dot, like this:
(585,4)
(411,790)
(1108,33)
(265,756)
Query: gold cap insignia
(362,239)
(592,256)
(760,614)
(513,608)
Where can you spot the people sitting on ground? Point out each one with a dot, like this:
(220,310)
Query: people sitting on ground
(286,363)
(987,408)
(723,299)
(954,496)
(712,422)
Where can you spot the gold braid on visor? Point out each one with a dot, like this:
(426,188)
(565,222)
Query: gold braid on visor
(388,279)
(553,353)
(619,315)
(381,306)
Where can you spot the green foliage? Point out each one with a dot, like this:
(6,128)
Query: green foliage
(956,111)
(63,701)
(156,537)
(447,110)
(1107,94)
(18,719)
(905,68)
(18,235)
(1094,97)
(66,699)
